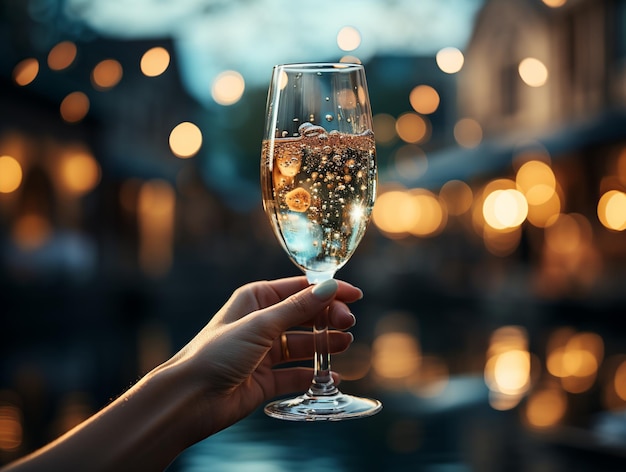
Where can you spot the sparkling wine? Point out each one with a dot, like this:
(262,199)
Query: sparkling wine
(319,190)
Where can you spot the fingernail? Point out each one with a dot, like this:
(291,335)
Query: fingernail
(353,319)
(325,289)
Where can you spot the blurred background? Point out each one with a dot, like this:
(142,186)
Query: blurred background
(494,269)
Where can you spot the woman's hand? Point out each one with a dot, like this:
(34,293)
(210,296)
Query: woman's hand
(234,356)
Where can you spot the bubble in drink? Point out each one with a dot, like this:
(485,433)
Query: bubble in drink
(289,162)
(280,180)
(310,130)
(298,200)
(315,193)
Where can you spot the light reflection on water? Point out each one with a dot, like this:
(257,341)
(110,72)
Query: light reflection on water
(260,444)
(410,434)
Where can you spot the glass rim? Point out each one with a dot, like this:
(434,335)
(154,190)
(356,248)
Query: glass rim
(318,66)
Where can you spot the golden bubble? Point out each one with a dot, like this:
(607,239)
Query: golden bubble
(289,162)
(298,200)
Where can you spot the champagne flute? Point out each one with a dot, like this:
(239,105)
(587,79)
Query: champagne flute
(318,179)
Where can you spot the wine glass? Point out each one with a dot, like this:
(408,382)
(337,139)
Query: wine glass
(318,179)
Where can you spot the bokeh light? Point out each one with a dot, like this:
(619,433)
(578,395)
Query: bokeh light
(412,128)
(533,72)
(574,358)
(31,231)
(567,233)
(508,366)
(431,217)
(348,38)
(156,211)
(536,181)
(619,382)
(228,87)
(185,140)
(394,212)
(546,407)
(26,71)
(395,355)
(612,210)
(62,55)
(155,61)
(555,3)
(106,74)
(450,60)
(10,174)
(74,107)
(505,209)
(424,99)
(468,133)
(457,196)
(79,171)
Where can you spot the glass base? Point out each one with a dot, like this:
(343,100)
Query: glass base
(335,407)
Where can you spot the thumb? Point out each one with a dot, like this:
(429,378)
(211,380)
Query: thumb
(298,308)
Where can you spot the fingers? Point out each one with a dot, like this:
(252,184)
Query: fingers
(264,294)
(284,288)
(295,379)
(299,345)
(340,317)
(299,307)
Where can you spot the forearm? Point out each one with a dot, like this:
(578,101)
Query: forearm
(144,429)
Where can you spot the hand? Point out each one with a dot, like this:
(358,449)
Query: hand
(234,356)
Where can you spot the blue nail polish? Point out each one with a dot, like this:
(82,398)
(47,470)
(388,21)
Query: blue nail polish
(325,289)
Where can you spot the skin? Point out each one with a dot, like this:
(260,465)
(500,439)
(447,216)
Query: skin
(222,375)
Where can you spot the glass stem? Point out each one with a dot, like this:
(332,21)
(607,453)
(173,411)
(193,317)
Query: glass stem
(323,383)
